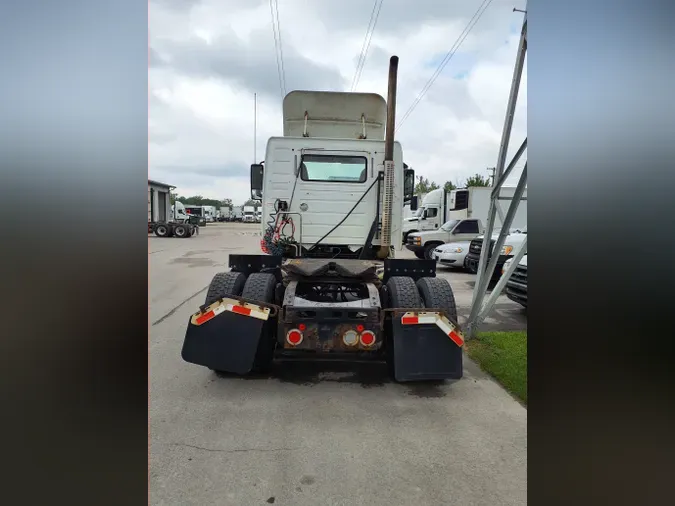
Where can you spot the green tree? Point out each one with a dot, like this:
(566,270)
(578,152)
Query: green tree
(449,186)
(477,180)
(424,185)
(198,200)
(251,202)
(226,203)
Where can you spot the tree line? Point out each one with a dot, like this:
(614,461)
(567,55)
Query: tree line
(424,185)
(198,200)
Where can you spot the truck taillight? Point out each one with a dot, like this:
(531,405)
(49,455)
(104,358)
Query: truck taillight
(294,337)
(367,338)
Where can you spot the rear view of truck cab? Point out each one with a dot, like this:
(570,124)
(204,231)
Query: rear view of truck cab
(332,190)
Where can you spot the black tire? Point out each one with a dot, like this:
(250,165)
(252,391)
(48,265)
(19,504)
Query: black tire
(399,292)
(180,231)
(429,250)
(402,293)
(419,254)
(437,293)
(162,230)
(225,284)
(261,286)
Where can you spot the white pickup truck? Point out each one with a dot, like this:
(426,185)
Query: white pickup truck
(424,243)
(516,286)
(512,244)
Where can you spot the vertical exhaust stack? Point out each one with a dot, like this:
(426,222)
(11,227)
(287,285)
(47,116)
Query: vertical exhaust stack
(389,167)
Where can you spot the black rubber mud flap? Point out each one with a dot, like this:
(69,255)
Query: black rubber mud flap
(423,351)
(228,342)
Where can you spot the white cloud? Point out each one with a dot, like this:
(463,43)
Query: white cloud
(211,56)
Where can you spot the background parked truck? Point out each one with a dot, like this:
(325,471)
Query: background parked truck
(209,213)
(514,241)
(465,212)
(249,214)
(439,206)
(196,211)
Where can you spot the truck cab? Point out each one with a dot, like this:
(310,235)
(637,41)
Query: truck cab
(249,214)
(326,174)
(178,212)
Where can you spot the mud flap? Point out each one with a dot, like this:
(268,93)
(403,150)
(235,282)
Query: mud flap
(426,351)
(225,336)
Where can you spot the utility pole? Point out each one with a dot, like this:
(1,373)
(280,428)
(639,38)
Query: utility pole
(492,170)
(255,121)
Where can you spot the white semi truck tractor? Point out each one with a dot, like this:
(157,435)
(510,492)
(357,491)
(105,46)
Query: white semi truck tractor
(328,285)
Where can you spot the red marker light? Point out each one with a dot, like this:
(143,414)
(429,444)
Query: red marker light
(302,327)
(294,337)
(367,338)
(359,328)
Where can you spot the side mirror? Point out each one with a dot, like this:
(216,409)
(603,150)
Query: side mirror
(408,185)
(413,203)
(257,172)
(256,177)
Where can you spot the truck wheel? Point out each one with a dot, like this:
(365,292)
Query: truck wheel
(399,292)
(437,293)
(262,286)
(429,250)
(225,284)
(161,230)
(180,231)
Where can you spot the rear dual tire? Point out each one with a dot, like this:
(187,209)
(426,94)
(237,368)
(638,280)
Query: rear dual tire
(262,286)
(259,286)
(181,231)
(162,230)
(402,292)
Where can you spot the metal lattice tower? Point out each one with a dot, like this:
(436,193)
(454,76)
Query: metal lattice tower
(480,307)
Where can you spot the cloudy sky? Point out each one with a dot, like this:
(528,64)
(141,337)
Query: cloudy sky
(208,57)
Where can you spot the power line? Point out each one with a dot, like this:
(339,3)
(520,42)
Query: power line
(281,49)
(374,15)
(472,22)
(278,53)
(363,45)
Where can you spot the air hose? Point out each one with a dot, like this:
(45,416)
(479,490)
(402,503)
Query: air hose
(275,241)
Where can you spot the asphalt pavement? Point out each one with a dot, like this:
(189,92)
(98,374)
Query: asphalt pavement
(317,434)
